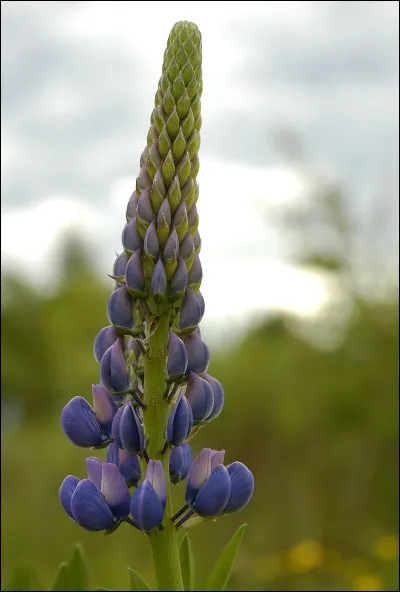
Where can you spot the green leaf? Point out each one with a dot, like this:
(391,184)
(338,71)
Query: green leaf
(63,579)
(187,563)
(24,578)
(137,583)
(78,570)
(222,571)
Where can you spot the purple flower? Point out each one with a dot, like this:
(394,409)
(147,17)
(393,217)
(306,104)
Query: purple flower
(191,312)
(196,273)
(180,421)
(198,354)
(99,502)
(103,340)
(120,265)
(134,275)
(148,500)
(200,396)
(127,431)
(86,426)
(218,393)
(180,461)
(177,357)
(151,246)
(242,486)
(209,486)
(159,282)
(131,239)
(131,207)
(128,466)
(171,248)
(119,309)
(113,372)
(179,280)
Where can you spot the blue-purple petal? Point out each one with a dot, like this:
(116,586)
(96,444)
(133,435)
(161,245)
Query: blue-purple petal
(179,279)
(119,308)
(214,495)
(113,371)
(134,275)
(103,340)
(115,490)
(66,491)
(94,470)
(180,421)
(104,407)
(89,507)
(218,392)
(131,239)
(242,486)
(159,280)
(198,474)
(146,508)
(80,424)
(180,461)
(120,264)
(191,310)
(155,474)
(131,431)
(200,396)
(177,356)
(151,246)
(198,354)
(115,431)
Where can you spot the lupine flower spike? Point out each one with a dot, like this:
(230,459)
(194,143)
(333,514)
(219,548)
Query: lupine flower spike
(154,392)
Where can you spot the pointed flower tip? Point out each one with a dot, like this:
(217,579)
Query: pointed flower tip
(146,507)
(180,461)
(180,421)
(177,357)
(191,312)
(127,431)
(155,474)
(119,309)
(159,281)
(113,371)
(200,396)
(198,354)
(103,340)
(103,405)
(128,466)
(134,275)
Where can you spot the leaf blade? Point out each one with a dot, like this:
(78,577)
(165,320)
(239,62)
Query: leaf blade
(187,563)
(78,570)
(137,583)
(62,581)
(219,578)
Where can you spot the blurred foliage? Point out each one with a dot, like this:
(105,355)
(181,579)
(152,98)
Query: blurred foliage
(318,427)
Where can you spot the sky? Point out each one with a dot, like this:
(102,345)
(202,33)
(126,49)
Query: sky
(77,86)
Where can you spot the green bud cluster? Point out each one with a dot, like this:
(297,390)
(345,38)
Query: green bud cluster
(165,226)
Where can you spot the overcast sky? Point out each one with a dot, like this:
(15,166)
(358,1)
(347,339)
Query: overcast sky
(78,81)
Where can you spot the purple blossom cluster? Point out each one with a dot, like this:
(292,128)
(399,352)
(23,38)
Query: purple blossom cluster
(157,276)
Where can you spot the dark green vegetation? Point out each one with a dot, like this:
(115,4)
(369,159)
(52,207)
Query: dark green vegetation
(318,427)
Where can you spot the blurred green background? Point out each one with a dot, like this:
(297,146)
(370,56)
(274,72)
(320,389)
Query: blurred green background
(311,407)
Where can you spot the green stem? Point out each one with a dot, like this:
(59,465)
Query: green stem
(164,543)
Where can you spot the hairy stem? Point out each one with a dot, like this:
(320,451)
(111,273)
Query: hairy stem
(164,543)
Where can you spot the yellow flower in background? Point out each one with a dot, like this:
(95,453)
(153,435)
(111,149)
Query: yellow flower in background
(386,547)
(305,556)
(368,581)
